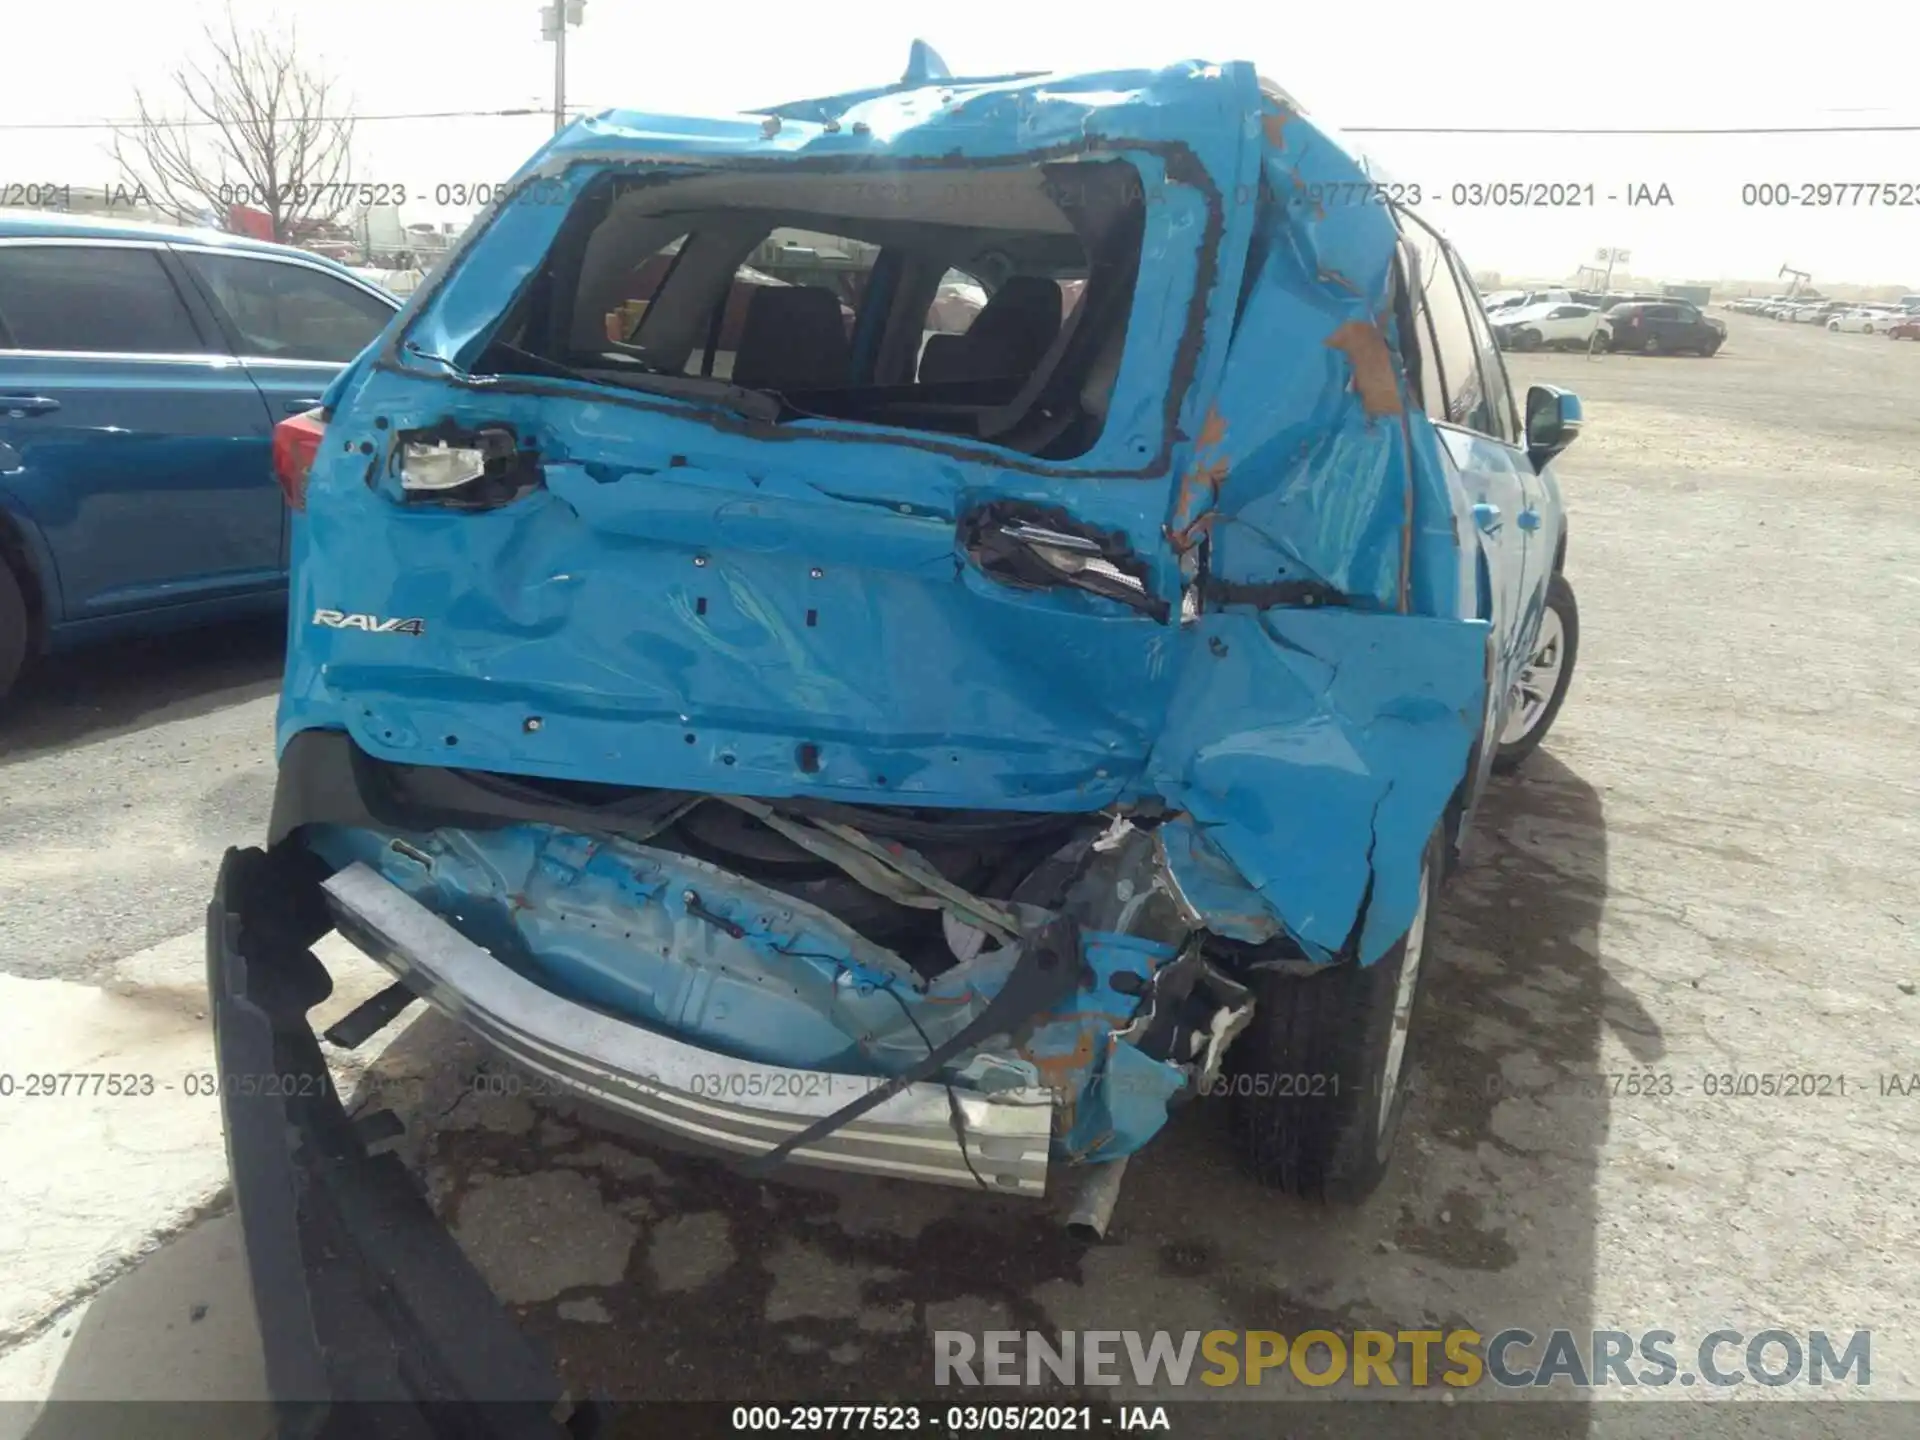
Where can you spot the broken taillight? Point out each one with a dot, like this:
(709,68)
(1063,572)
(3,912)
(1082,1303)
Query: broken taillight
(295,444)
(459,468)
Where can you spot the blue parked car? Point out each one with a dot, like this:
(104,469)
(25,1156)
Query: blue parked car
(142,371)
(840,740)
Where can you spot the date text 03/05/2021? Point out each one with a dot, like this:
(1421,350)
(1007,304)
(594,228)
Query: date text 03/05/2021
(950,1419)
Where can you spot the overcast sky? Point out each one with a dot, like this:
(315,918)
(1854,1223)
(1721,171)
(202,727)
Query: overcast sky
(1471,63)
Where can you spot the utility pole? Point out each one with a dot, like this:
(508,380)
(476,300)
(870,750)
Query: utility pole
(554,20)
(1608,255)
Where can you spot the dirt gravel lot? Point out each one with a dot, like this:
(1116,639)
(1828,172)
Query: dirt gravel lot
(1710,870)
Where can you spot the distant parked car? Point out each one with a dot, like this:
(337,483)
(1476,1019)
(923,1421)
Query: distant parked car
(1907,329)
(1665,327)
(400,283)
(1863,320)
(1524,298)
(142,371)
(1551,327)
(1628,297)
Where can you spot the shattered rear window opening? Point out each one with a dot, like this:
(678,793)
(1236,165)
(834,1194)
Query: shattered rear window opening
(988,304)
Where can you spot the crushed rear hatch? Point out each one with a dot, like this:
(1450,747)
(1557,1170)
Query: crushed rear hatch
(798,658)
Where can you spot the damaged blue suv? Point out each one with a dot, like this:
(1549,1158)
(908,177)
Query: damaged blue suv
(908,632)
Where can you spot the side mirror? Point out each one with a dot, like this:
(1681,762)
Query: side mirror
(1553,422)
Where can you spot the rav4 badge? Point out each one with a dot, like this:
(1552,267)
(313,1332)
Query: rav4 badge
(373,624)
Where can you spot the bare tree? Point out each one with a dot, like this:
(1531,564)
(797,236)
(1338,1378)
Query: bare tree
(249,125)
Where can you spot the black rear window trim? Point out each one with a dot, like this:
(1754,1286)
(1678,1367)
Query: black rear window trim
(1180,164)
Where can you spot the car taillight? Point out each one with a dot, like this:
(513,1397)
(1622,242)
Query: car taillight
(295,444)
(455,468)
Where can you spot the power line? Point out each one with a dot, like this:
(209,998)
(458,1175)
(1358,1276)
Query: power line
(313,119)
(1629,130)
(523,111)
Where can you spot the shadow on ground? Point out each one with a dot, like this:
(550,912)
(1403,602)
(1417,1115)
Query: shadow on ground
(166,1352)
(123,685)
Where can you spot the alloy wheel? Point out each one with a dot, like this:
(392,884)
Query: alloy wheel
(1403,994)
(1539,678)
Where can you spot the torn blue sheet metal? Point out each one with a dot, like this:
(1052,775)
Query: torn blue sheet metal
(692,602)
(689,949)
(1314,751)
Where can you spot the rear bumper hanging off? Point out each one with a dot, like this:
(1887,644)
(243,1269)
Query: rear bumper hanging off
(695,1094)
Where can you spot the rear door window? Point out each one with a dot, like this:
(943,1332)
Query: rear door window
(1497,417)
(93,299)
(1465,384)
(1445,346)
(281,310)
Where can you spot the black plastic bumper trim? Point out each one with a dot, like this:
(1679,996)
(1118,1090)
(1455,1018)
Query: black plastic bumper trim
(372,1321)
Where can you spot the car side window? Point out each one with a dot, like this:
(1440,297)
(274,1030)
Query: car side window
(93,299)
(286,311)
(1420,351)
(1451,388)
(1496,415)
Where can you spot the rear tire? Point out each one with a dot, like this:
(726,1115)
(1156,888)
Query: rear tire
(1560,634)
(13,628)
(1336,1042)
(1652,346)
